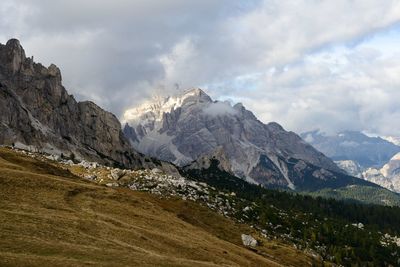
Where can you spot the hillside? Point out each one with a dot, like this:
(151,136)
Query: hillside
(50,217)
(346,232)
(291,229)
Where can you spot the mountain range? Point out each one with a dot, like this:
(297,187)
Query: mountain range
(191,128)
(375,159)
(366,151)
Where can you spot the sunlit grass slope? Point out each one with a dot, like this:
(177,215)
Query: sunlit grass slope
(49,217)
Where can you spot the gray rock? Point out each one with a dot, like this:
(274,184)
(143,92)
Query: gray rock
(91,177)
(117,174)
(249,241)
(54,157)
(351,167)
(156,171)
(88,165)
(112,185)
(37,111)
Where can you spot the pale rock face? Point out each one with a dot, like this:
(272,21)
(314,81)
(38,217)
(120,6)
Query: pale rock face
(351,167)
(388,176)
(192,127)
(37,112)
(116,174)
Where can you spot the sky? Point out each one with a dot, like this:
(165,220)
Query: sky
(306,64)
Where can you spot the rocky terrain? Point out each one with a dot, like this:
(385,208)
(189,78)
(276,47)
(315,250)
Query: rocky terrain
(37,113)
(191,127)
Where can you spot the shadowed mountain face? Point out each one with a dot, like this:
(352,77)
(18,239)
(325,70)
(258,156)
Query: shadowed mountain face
(37,112)
(193,127)
(372,158)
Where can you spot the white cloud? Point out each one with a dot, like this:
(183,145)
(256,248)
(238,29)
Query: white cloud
(358,90)
(302,63)
(219,109)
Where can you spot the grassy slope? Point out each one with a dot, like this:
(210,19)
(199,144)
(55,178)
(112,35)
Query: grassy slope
(48,217)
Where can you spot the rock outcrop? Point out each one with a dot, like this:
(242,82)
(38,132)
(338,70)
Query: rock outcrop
(36,112)
(249,241)
(388,176)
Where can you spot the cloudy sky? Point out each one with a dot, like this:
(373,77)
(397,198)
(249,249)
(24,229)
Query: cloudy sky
(307,64)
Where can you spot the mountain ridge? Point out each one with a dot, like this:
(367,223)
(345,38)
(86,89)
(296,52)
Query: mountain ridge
(36,112)
(191,126)
(353,145)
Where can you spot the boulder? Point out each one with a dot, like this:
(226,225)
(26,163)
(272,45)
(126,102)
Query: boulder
(156,171)
(249,241)
(116,174)
(90,177)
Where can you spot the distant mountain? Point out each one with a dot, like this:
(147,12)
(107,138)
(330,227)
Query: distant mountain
(392,139)
(191,128)
(355,146)
(388,176)
(374,159)
(37,113)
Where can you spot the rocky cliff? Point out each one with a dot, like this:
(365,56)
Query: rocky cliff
(36,112)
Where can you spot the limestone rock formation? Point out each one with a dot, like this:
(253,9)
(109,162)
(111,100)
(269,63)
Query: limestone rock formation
(192,127)
(36,112)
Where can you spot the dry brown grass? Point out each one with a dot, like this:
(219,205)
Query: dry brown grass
(49,217)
